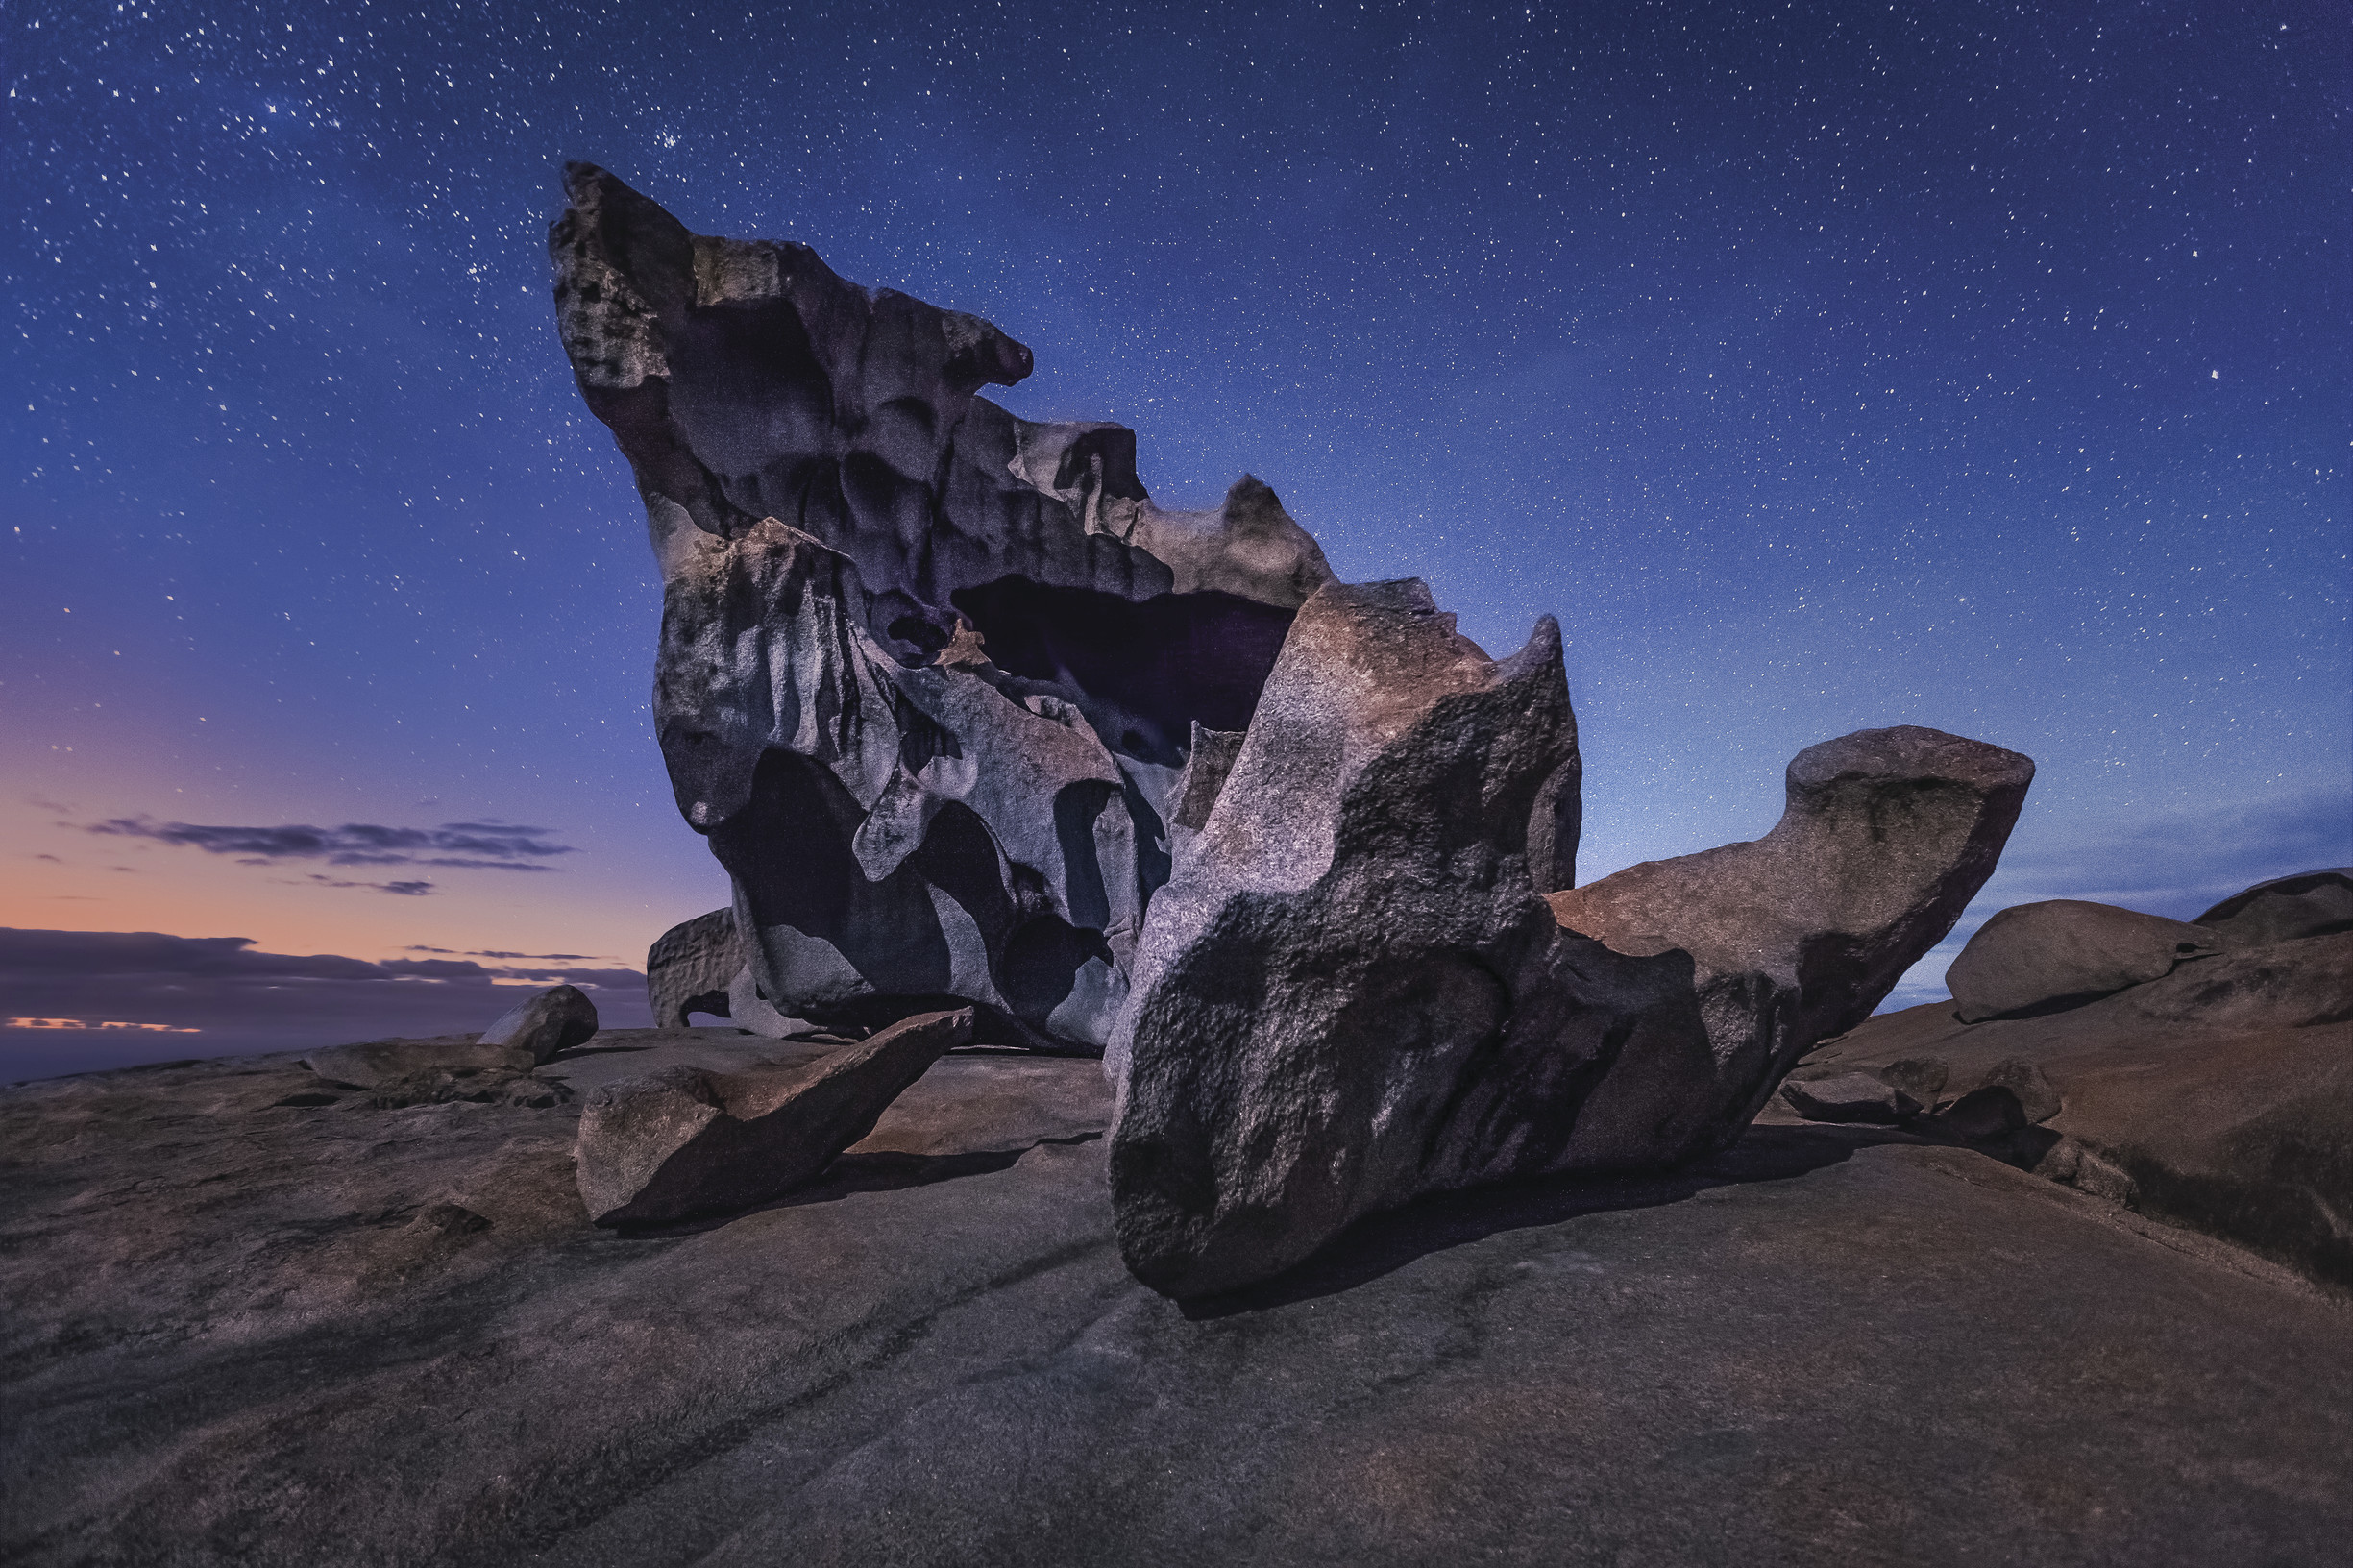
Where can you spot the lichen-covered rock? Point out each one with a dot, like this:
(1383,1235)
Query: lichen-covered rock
(1797,936)
(554,1019)
(928,673)
(2064,952)
(687,1140)
(1352,993)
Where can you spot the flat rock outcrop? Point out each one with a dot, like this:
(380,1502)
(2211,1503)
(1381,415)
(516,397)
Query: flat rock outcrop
(928,673)
(2063,952)
(1886,836)
(684,1141)
(1352,993)
(2218,1096)
(234,1330)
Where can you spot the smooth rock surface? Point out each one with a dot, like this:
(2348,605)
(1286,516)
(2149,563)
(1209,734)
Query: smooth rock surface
(2308,904)
(1351,993)
(928,673)
(1797,936)
(683,1141)
(375,1063)
(338,1335)
(2219,1096)
(2064,952)
(555,1019)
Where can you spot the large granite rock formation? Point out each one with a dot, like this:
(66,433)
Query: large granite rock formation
(2308,904)
(1886,836)
(1352,993)
(929,672)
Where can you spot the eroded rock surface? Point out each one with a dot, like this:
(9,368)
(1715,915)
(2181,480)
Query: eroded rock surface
(2219,1096)
(928,671)
(2063,952)
(2308,904)
(238,1331)
(690,967)
(684,1140)
(1352,993)
(1797,936)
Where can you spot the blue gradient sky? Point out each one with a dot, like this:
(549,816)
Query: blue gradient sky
(1982,366)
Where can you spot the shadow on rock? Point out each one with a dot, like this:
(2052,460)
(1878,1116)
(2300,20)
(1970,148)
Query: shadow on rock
(1383,1243)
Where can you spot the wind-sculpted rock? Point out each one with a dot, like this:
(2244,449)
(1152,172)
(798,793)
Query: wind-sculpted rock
(1797,936)
(686,1140)
(554,1019)
(690,967)
(929,672)
(2065,952)
(1352,993)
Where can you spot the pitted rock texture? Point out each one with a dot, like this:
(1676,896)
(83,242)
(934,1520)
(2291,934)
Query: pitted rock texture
(685,1140)
(1797,936)
(690,967)
(929,671)
(2063,952)
(1352,993)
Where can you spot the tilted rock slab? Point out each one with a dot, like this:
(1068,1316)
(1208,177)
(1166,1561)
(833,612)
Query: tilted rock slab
(1352,993)
(2285,908)
(1886,836)
(929,672)
(685,1140)
(2064,952)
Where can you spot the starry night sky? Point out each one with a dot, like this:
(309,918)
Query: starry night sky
(1822,366)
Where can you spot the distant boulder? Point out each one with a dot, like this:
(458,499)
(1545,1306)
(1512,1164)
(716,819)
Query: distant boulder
(2065,952)
(552,1020)
(2308,904)
(690,967)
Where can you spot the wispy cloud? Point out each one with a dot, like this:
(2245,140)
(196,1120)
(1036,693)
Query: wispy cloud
(475,847)
(412,889)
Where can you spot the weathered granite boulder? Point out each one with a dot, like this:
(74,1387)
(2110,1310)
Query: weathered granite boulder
(929,672)
(685,1140)
(1352,993)
(554,1019)
(2064,952)
(1797,936)
(2308,904)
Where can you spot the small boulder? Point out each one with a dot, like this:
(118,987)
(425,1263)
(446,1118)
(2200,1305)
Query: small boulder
(686,1140)
(2286,909)
(1921,1077)
(554,1019)
(2013,1094)
(1850,1096)
(2063,952)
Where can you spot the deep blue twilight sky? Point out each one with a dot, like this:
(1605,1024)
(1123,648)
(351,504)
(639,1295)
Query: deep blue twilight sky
(1819,365)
